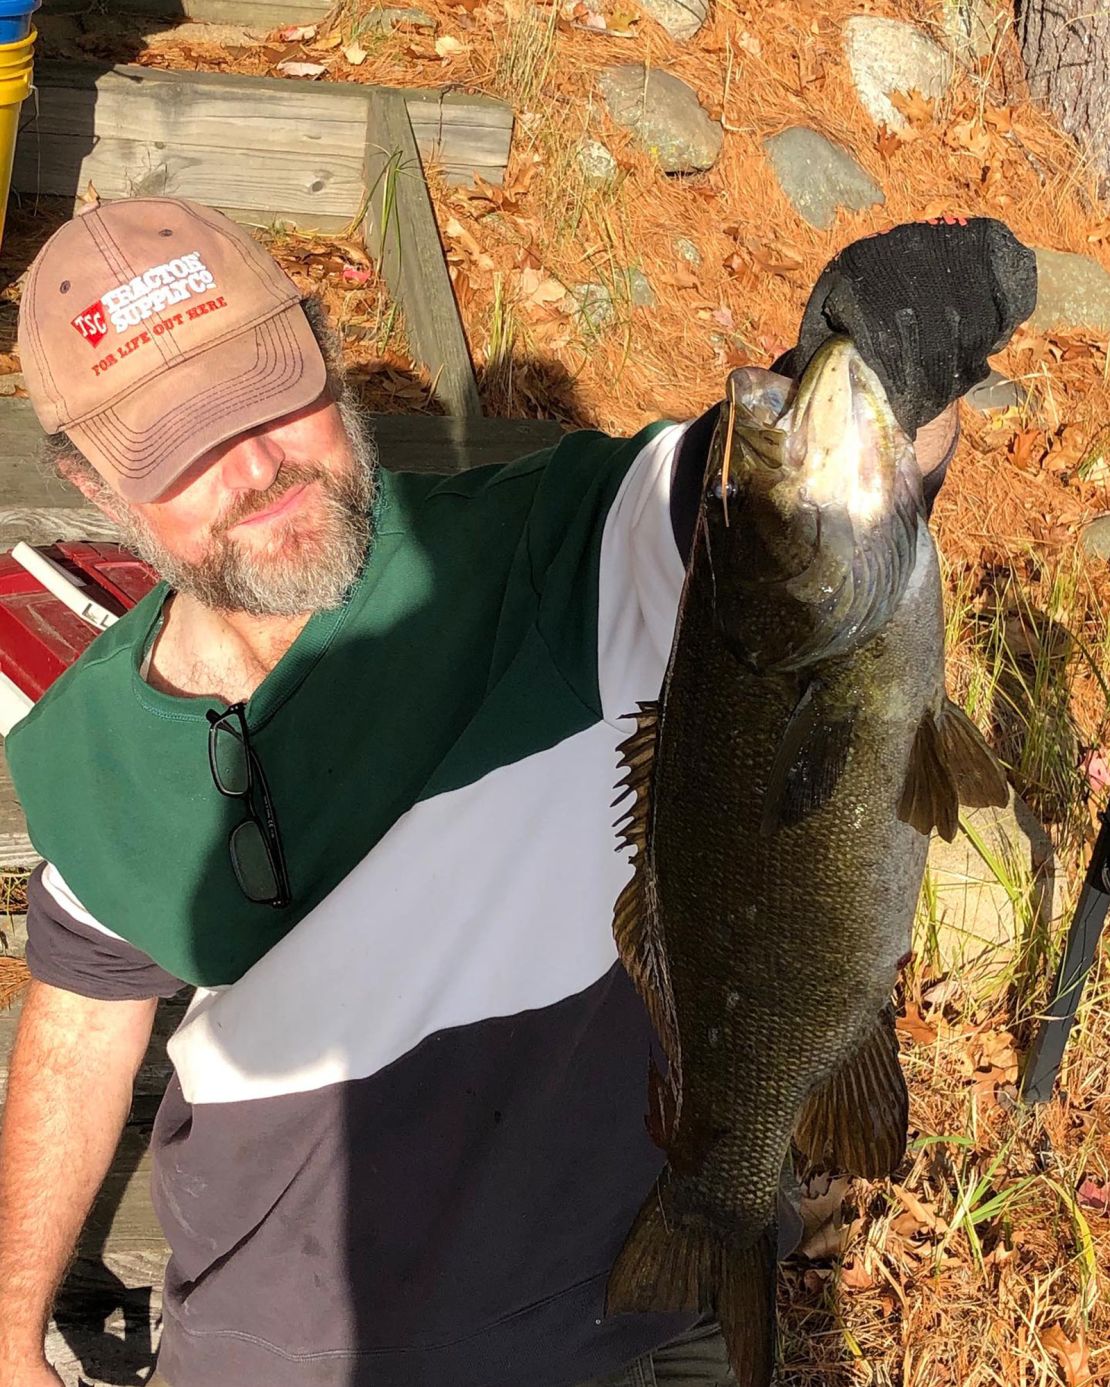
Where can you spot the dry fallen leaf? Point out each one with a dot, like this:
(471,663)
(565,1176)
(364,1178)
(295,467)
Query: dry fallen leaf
(297,33)
(912,1023)
(921,1213)
(448,47)
(355,54)
(538,289)
(917,109)
(854,1277)
(623,23)
(332,40)
(1070,1354)
(309,70)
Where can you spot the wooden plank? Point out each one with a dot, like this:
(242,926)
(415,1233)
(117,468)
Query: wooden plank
(400,231)
(15,846)
(13,936)
(122,1217)
(106,1323)
(251,14)
(47,524)
(406,443)
(135,130)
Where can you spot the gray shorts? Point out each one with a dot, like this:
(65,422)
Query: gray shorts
(696,1359)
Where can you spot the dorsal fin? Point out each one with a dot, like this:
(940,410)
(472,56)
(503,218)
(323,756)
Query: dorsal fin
(635,919)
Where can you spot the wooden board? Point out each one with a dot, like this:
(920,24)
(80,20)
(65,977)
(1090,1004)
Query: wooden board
(106,1326)
(406,443)
(401,232)
(251,14)
(136,131)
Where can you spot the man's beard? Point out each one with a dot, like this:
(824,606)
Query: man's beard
(307,572)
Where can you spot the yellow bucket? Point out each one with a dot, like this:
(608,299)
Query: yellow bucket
(16,60)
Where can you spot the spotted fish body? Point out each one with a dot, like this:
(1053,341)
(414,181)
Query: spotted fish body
(784,788)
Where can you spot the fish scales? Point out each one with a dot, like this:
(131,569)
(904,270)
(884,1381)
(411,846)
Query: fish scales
(783,792)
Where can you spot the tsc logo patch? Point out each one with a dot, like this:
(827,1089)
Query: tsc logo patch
(91,324)
(131,303)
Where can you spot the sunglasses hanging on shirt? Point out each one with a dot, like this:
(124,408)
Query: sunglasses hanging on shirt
(254,844)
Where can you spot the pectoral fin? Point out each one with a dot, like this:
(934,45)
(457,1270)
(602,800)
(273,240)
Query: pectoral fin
(858,1119)
(950,765)
(809,761)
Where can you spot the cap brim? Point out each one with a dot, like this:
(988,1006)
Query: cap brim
(147,440)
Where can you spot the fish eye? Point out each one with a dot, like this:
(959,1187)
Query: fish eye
(719,493)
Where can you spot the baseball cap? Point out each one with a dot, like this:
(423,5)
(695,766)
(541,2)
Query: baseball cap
(151,329)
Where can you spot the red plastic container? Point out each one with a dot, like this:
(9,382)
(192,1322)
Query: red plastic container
(39,636)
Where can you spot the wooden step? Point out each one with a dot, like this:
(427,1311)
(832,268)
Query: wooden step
(142,131)
(106,1324)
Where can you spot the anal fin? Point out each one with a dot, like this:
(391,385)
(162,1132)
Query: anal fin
(858,1119)
(950,764)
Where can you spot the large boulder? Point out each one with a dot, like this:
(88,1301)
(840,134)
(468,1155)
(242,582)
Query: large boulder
(1072,291)
(887,55)
(681,18)
(664,115)
(819,176)
(985,892)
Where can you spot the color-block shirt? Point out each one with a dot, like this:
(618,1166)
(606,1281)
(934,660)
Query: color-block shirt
(405,1135)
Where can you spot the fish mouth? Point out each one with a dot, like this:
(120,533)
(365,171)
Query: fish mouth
(831,487)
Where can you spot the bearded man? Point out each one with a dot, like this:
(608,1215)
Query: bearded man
(347,772)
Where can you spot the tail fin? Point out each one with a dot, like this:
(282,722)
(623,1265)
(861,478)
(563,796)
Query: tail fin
(665,1266)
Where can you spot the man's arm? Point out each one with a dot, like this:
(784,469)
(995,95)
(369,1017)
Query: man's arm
(69,1092)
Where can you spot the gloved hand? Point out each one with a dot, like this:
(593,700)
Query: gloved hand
(926,303)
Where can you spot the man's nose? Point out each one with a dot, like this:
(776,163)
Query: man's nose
(252,462)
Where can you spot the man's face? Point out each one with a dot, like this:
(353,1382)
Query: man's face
(271,523)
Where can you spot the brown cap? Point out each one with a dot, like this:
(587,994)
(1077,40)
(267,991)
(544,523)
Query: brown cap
(152,329)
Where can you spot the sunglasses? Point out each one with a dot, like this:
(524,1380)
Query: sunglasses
(254,844)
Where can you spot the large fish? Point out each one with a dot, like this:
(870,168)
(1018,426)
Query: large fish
(784,787)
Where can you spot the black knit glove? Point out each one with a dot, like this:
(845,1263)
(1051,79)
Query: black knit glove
(926,304)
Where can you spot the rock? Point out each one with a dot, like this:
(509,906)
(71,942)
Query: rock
(595,305)
(972,29)
(640,292)
(681,18)
(1072,291)
(972,923)
(1095,537)
(223,35)
(819,176)
(687,250)
(597,164)
(385,18)
(664,115)
(886,55)
(996,392)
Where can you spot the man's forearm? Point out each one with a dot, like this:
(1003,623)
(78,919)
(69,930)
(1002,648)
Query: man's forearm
(68,1097)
